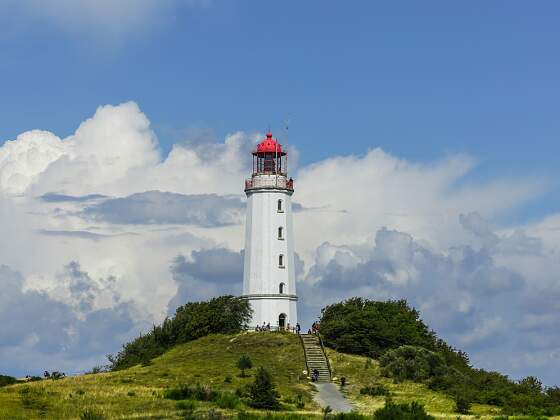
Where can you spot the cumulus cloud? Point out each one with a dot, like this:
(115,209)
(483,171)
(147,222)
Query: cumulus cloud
(22,160)
(206,273)
(38,332)
(114,234)
(465,294)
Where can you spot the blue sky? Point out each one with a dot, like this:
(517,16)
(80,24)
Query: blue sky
(419,79)
(433,84)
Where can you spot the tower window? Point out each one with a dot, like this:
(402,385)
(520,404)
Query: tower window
(282,287)
(280,232)
(281,260)
(280,206)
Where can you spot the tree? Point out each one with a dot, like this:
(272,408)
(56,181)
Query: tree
(243,363)
(462,404)
(262,392)
(369,328)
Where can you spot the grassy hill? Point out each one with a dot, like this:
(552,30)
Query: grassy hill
(138,392)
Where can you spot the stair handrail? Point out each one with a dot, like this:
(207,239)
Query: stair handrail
(304,353)
(325,353)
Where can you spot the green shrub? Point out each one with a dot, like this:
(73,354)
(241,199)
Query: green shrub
(228,379)
(462,404)
(7,380)
(349,416)
(184,392)
(187,405)
(262,392)
(244,363)
(90,414)
(411,362)
(375,390)
(175,394)
(131,393)
(392,411)
(227,400)
(300,401)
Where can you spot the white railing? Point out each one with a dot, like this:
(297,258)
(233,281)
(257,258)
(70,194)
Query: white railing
(269,181)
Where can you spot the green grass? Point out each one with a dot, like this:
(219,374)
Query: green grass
(137,393)
(357,376)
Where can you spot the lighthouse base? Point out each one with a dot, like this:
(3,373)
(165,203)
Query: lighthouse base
(276,311)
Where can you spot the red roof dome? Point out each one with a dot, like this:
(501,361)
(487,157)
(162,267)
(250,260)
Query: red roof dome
(269,145)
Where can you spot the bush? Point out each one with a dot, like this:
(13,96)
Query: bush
(184,392)
(243,363)
(375,391)
(411,362)
(7,380)
(90,414)
(221,315)
(227,400)
(300,402)
(392,411)
(187,405)
(262,393)
(462,404)
(349,416)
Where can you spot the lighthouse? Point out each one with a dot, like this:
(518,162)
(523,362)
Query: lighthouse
(269,277)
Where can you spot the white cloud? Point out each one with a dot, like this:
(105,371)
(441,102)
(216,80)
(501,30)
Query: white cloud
(26,157)
(100,218)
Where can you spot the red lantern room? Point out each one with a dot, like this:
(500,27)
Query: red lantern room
(269,157)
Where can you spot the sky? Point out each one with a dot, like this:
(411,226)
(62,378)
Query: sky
(423,141)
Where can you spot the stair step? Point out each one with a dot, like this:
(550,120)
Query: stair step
(315,357)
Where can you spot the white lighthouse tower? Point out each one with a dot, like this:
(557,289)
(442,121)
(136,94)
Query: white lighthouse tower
(269,277)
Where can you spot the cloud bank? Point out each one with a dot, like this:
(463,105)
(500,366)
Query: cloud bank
(113,236)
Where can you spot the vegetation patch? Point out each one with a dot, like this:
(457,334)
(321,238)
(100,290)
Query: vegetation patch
(405,411)
(221,315)
(375,391)
(408,350)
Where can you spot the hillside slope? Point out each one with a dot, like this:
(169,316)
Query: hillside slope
(137,392)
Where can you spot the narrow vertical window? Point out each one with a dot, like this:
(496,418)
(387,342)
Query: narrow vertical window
(281,260)
(280,232)
(280,206)
(282,286)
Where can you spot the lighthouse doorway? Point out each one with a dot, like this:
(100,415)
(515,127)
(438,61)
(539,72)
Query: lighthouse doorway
(282,321)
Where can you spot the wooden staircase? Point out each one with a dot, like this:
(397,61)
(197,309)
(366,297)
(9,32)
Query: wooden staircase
(315,357)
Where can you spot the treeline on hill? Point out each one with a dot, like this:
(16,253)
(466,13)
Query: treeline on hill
(407,349)
(221,315)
